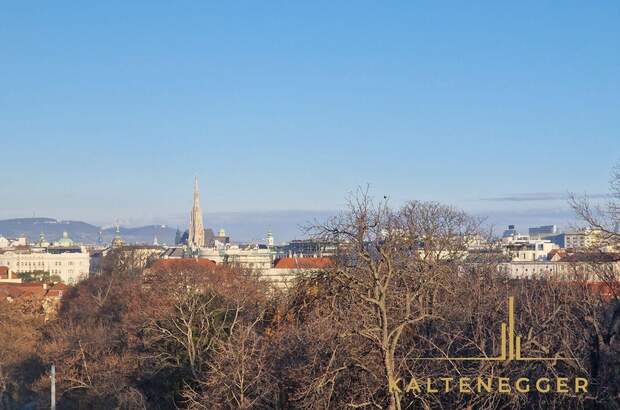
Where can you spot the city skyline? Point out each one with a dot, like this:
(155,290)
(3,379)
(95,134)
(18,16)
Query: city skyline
(290,224)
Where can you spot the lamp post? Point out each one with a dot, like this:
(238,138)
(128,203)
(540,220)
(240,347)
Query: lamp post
(53,388)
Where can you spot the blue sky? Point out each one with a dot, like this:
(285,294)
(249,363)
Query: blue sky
(109,109)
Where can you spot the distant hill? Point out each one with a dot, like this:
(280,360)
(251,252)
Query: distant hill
(51,228)
(82,232)
(143,234)
(250,226)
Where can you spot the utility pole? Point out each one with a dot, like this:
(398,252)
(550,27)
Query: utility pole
(53,388)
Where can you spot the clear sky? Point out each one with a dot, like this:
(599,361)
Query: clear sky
(108,109)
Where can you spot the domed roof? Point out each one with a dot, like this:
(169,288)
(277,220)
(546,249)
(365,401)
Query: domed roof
(42,241)
(65,240)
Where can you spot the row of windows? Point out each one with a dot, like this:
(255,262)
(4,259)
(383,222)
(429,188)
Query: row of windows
(560,277)
(52,271)
(41,263)
(545,269)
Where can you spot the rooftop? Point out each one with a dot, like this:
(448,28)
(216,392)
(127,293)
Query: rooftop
(38,290)
(182,263)
(303,263)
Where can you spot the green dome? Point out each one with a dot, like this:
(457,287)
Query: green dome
(65,240)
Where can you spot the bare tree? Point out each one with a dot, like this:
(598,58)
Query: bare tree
(394,267)
(20,323)
(239,374)
(605,217)
(185,334)
(603,272)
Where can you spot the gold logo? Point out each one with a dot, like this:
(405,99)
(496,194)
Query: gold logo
(510,344)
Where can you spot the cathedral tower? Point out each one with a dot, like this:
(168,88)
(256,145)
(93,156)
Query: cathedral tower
(196,237)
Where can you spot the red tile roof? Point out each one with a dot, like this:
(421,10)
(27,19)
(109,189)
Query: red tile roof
(38,290)
(303,263)
(606,290)
(182,263)
(561,253)
(598,257)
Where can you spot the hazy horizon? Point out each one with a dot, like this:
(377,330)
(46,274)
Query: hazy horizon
(287,224)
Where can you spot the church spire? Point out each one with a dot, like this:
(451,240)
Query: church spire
(196,237)
(117,242)
(196,193)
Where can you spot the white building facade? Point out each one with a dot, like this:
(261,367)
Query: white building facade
(71,265)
